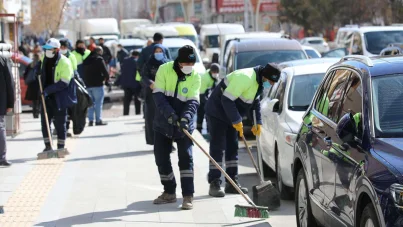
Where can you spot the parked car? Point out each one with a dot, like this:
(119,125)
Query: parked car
(311,52)
(316,42)
(282,110)
(348,155)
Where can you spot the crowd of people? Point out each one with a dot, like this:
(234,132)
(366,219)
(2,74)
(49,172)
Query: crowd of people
(173,96)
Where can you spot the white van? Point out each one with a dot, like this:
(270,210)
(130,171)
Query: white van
(369,40)
(126,26)
(210,34)
(106,28)
(167,31)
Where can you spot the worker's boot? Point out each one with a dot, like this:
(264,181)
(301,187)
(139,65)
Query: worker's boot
(215,189)
(187,203)
(231,190)
(165,198)
(47,148)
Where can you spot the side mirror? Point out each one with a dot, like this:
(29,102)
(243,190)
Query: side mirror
(346,129)
(274,105)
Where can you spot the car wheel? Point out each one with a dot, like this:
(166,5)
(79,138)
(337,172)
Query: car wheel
(302,204)
(285,191)
(368,217)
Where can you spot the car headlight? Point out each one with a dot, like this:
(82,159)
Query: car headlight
(397,193)
(290,138)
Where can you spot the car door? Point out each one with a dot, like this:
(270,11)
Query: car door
(348,156)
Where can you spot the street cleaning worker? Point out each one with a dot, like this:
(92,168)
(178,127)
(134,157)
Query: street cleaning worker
(148,80)
(234,97)
(176,97)
(81,53)
(56,73)
(208,82)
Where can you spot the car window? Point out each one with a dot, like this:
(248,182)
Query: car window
(302,89)
(273,90)
(377,40)
(280,93)
(336,53)
(312,53)
(315,41)
(318,103)
(352,101)
(230,63)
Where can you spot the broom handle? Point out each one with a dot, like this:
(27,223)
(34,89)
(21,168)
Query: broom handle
(251,156)
(259,154)
(45,112)
(219,168)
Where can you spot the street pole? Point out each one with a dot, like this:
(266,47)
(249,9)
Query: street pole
(184,12)
(157,10)
(245,15)
(193,8)
(257,15)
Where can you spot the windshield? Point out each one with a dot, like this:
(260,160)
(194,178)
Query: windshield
(302,90)
(387,94)
(377,41)
(316,41)
(130,48)
(312,54)
(212,41)
(174,53)
(254,58)
(189,37)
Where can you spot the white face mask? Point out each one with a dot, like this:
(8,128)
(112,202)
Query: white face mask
(119,48)
(64,52)
(187,69)
(49,53)
(215,75)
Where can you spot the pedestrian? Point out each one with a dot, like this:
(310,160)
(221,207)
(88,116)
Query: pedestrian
(81,53)
(231,100)
(92,45)
(208,83)
(7,99)
(130,85)
(176,96)
(33,93)
(148,80)
(37,49)
(147,52)
(95,77)
(56,73)
(149,42)
(23,49)
(122,53)
(107,55)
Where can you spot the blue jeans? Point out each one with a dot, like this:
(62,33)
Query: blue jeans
(97,95)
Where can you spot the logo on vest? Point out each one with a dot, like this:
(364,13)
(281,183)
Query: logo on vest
(185,90)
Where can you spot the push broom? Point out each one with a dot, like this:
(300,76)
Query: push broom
(59,153)
(248,211)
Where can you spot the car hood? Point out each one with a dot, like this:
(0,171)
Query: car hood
(294,120)
(391,150)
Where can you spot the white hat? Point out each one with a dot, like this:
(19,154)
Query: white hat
(52,43)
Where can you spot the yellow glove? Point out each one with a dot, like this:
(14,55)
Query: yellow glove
(257,129)
(239,128)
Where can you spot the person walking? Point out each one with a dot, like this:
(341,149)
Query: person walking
(92,45)
(106,52)
(7,98)
(122,53)
(81,53)
(33,93)
(56,73)
(130,85)
(147,52)
(95,77)
(235,96)
(208,82)
(148,80)
(176,96)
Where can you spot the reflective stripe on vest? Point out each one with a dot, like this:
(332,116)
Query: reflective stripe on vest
(241,84)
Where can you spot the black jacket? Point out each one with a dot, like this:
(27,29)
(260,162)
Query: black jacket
(33,88)
(121,55)
(95,71)
(107,56)
(6,86)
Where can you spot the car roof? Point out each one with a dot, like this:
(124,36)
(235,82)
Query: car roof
(312,61)
(313,38)
(267,44)
(177,42)
(372,28)
(128,42)
(301,70)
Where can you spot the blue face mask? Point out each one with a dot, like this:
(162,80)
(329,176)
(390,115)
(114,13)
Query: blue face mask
(159,56)
(266,84)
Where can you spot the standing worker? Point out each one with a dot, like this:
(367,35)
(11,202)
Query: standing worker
(7,98)
(208,82)
(176,96)
(233,98)
(95,77)
(131,86)
(57,72)
(148,80)
(81,53)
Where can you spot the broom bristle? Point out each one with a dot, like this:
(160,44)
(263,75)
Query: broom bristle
(251,212)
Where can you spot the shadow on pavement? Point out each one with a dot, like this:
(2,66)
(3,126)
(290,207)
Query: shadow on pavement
(22,160)
(26,139)
(112,156)
(111,135)
(251,224)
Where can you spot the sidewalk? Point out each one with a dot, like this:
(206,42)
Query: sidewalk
(110,179)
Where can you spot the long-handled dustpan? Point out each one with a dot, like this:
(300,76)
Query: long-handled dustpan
(264,194)
(251,211)
(59,153)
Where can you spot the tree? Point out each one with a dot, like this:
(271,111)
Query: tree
(46,15)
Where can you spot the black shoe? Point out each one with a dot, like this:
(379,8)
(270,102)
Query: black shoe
(231,190)
(36,116)
(69,134)
(5,163)
(47,148)
(100,123)
(91,123)
(215,189)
